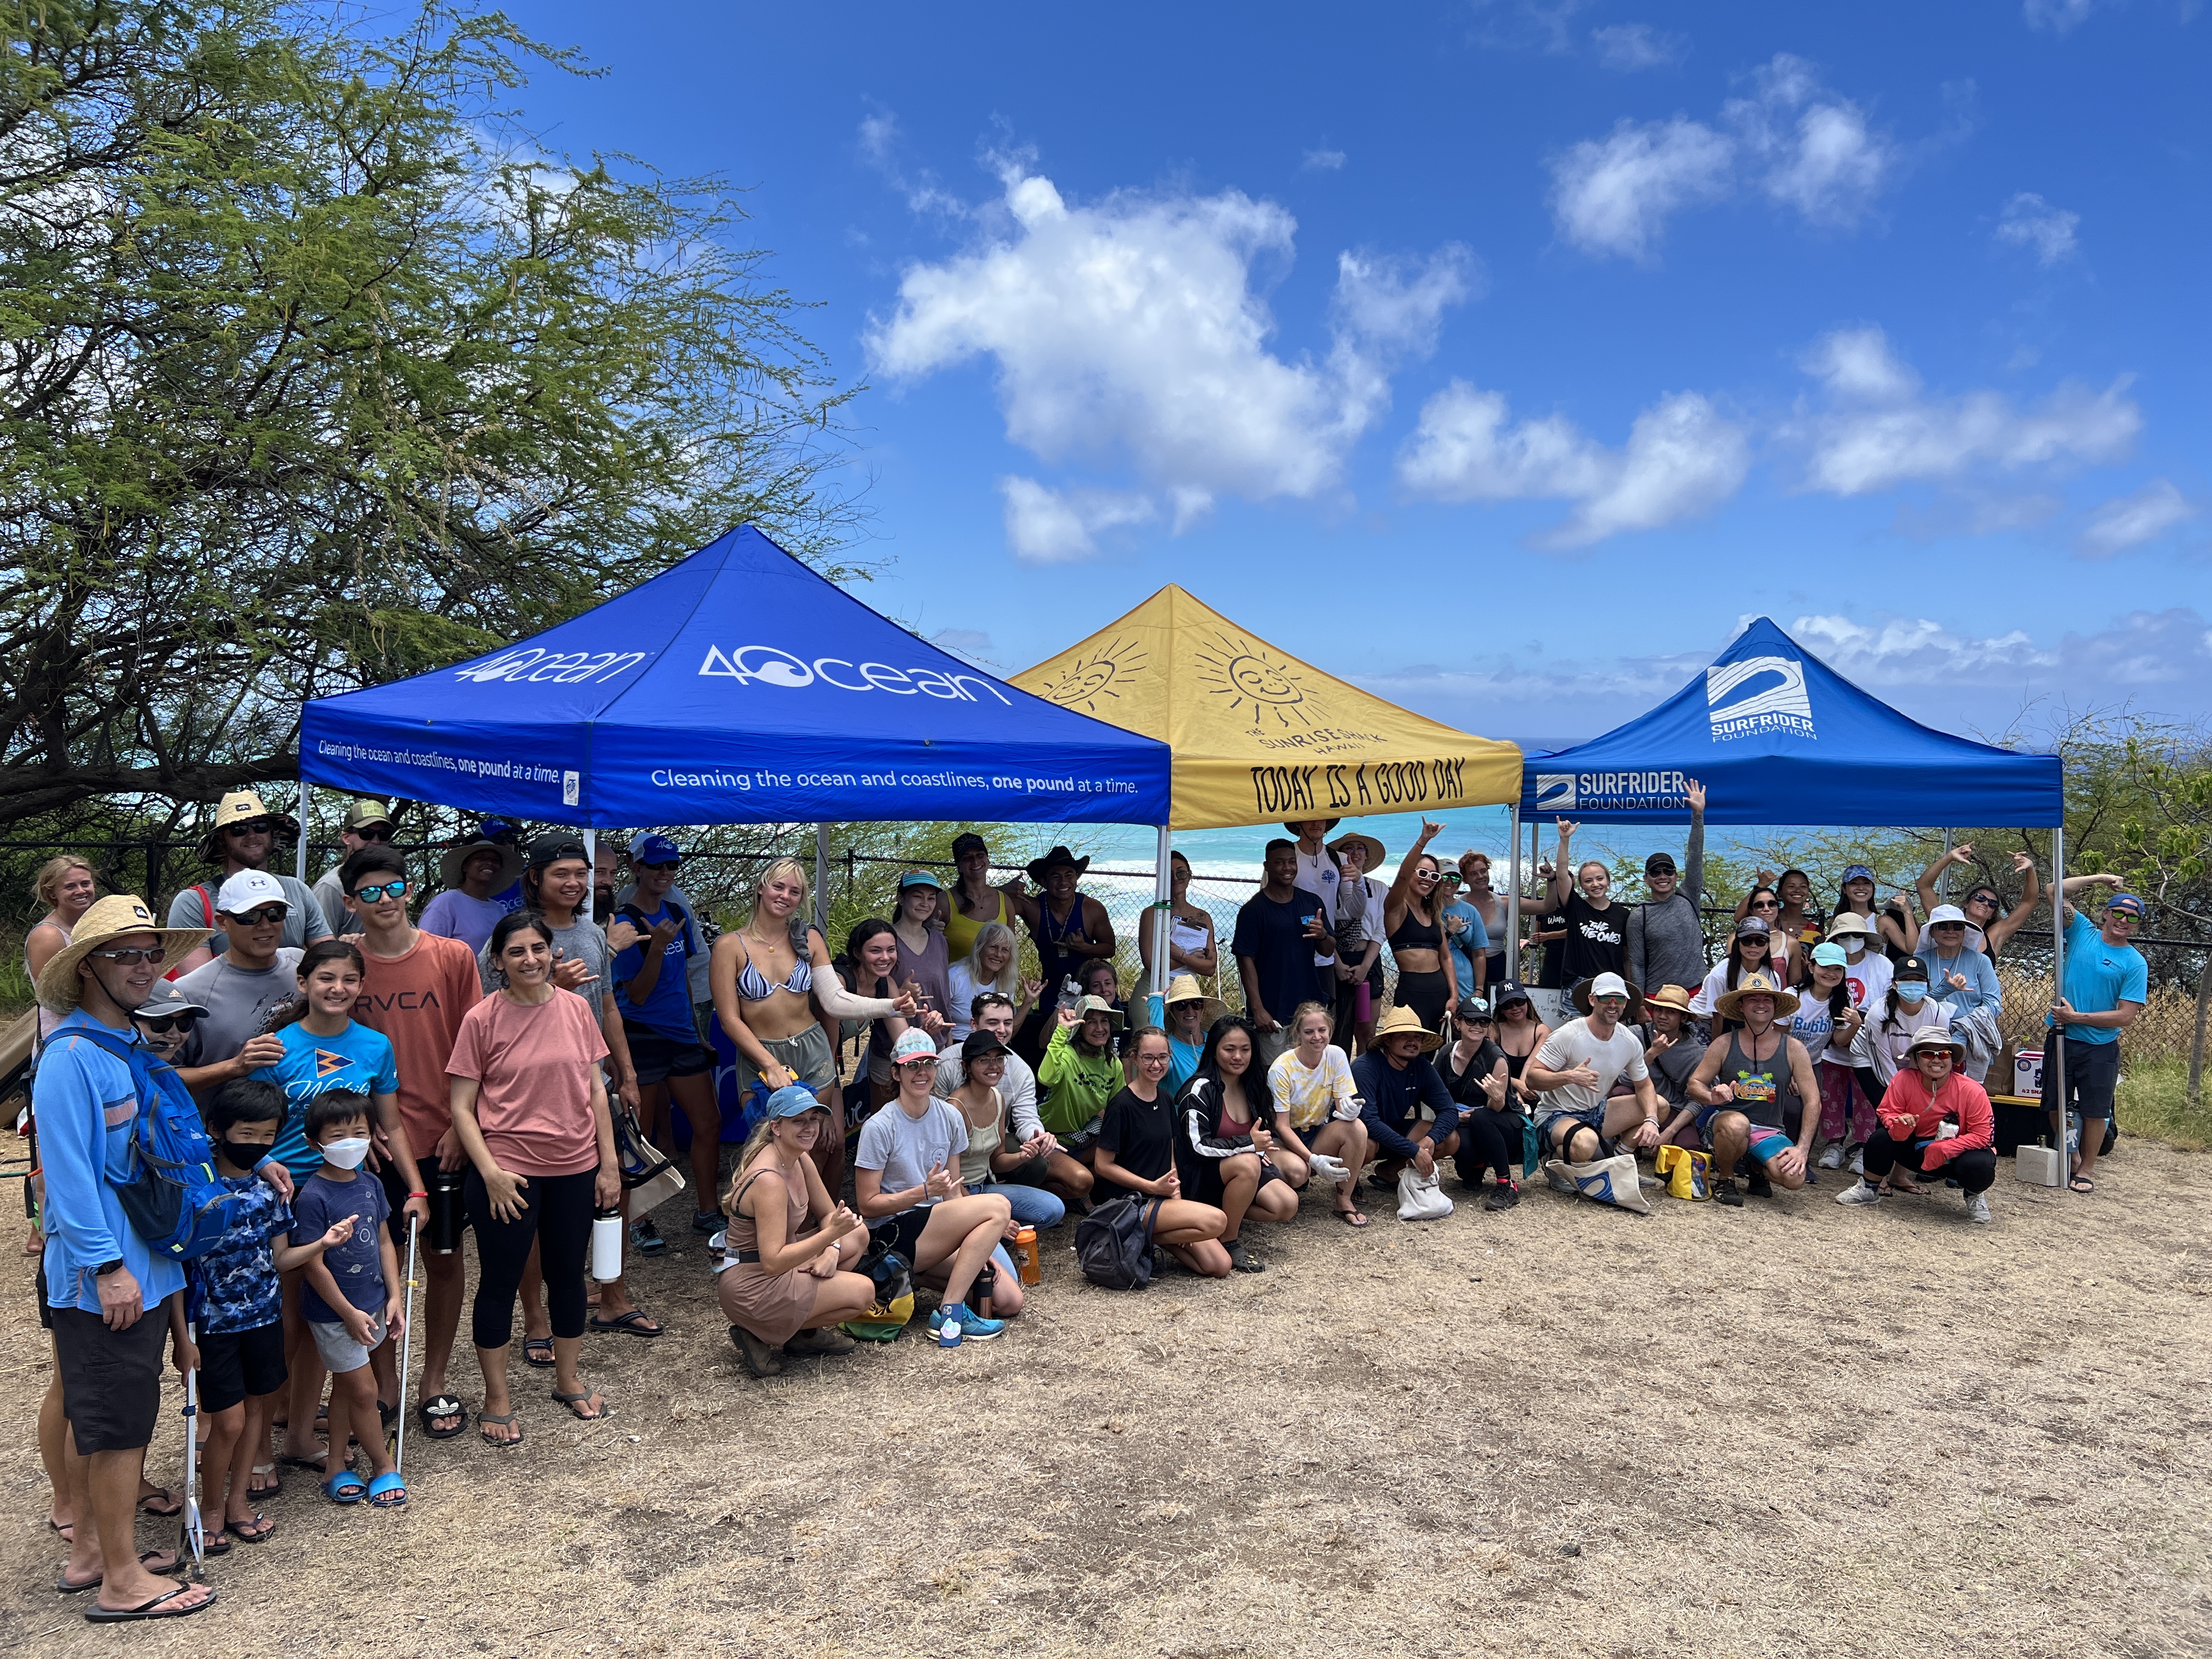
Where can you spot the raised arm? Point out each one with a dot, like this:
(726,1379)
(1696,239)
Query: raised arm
(1693,857)
(2031,895)
(1562,883)
(1962,854)
(1401,885)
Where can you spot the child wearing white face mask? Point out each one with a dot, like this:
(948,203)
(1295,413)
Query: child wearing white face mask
(351,1296)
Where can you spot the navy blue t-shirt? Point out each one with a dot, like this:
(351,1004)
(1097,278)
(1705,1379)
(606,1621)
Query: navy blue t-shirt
(667,1007)
(320,1203)
(1274,934)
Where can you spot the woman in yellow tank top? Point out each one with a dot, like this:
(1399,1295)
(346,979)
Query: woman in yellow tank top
(973,903)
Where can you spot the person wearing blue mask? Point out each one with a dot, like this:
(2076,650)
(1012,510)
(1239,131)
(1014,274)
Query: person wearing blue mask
(1908,1008)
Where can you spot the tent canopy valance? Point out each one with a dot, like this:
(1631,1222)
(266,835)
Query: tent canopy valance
(737,687)
(1777,737)
(1259,736)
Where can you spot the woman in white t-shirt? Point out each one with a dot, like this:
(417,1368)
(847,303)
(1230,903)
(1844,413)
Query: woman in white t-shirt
(1316,1112)
(1827,1019)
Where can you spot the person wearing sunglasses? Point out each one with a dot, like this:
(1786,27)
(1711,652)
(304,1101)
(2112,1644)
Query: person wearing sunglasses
(366,823)
(256,973)
(653,988)
(241,838)
(415,989)
(2108,981)
(658,851)
(1413,923)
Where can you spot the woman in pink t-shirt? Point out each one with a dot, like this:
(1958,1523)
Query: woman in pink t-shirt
(530,1107)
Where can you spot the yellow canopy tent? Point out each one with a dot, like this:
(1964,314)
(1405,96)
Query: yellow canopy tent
(1258,735)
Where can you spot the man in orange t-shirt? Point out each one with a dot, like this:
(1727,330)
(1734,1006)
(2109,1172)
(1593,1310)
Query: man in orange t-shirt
(416,990)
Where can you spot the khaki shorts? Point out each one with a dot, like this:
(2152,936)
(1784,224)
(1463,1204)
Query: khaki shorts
(805,1056)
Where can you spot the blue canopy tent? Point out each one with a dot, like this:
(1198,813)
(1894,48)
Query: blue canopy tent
(1776,736)
(737,687)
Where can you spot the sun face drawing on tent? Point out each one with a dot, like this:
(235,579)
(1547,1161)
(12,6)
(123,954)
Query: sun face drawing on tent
(1259,736)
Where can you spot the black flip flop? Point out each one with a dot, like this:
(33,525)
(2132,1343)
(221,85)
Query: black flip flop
(533,1346)
(439,1406)
(156,1608)
(632,1323)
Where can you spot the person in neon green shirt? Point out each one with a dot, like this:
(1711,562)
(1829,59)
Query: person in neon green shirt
(1079,1075)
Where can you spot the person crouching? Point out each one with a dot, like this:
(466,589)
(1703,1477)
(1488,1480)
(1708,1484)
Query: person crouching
(1934,1121)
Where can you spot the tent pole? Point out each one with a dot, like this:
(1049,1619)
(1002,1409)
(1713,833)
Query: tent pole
(821,879)
(1513,895)
(300,853)
(2055,1060)
(1156,1007)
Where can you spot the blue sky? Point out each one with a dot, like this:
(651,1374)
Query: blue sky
(1501,357)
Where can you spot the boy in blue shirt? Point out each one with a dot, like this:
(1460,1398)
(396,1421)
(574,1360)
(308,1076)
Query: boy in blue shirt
(350,1298)
(242,1319)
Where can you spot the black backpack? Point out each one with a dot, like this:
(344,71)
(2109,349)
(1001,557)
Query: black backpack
(1114,1243)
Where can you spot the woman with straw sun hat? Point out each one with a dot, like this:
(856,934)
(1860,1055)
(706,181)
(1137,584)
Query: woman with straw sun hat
(1191,1014)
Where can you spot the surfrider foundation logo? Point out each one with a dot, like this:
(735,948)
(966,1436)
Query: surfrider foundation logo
(1759,695)
(1555,792)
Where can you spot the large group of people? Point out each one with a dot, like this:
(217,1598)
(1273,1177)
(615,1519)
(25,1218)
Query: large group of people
(363,1067)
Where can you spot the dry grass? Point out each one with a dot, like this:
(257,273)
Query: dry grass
(1563,1430)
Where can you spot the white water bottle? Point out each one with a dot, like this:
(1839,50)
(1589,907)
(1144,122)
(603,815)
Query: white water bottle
(606,1245)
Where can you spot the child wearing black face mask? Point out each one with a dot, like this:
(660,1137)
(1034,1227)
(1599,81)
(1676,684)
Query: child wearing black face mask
(241,1326)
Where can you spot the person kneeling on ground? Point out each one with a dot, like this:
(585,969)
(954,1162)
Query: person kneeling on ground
(1317,1111)
(906,1176)
(1136,1150)
(1575,1070)
(1225,1154)
(1396,1079)
(1752,1084)
(789,1280)
(1934,1120)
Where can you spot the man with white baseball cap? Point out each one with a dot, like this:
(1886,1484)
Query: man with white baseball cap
(241,836)
(255,972)
(1575,1070)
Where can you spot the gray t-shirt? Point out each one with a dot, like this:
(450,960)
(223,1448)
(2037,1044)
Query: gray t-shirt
(1017,1089)
(238,1003)
(330,899)
(1620,1055)
(303,917)
(1671,1076)
(906,1149)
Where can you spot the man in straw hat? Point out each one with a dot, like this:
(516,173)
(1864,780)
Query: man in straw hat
(241,836)
(1673,1055)
(1934,1121)
(1395,1079)
(468,910)
(104,1286)
(366,823)
(1069,929)
(1761,1104)
(1575,1070)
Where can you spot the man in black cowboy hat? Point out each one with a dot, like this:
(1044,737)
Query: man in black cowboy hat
(241,836)
(1069,930)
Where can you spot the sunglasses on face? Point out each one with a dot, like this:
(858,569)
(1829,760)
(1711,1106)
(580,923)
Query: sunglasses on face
(666,864)
(1950,926)
(162,1024)
(127,958)
(251,827)
(260,917)
(376,832)
(1766,904)
(370,895)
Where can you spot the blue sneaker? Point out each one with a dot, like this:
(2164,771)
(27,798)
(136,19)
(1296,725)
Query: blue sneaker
(974,1328)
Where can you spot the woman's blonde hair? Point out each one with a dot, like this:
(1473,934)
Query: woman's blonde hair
(800,921)
(1298,1017)
(1009,981)
(48,885)
(755,1142)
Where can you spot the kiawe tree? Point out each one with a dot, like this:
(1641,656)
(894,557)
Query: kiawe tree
(314,372)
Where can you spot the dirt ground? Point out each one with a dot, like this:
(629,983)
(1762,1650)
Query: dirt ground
(1560,1430)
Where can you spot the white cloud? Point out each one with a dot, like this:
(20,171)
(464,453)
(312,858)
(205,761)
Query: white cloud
(1130,327)
(1914,651)
(1325,161)
(1801,145)
(2031,222)
(1878,431)
(1045,527)
(2129,521)
(878,139)
(1537,25)
(1682,458)
(1629,47)
(1613,195)
(1811,149)
(2056,16)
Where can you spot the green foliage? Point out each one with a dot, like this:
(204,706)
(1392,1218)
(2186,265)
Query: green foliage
(2153,1102)
(313,374)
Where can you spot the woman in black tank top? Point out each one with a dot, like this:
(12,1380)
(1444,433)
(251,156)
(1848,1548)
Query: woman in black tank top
(1413,924)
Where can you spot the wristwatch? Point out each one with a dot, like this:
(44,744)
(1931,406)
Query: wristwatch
(107,1268)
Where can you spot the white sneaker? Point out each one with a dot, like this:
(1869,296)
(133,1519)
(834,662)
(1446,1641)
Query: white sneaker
(1858,1160)
(1833,1158)
(1978,1208)
(1859,1193)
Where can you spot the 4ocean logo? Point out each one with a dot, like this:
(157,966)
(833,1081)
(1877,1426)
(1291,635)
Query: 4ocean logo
(1756,695)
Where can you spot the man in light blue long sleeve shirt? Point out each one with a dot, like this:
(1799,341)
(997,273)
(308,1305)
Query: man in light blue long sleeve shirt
(104,1286)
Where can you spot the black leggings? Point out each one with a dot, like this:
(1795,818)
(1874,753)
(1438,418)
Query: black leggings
(1425,995)
(556,1213)
(1488,1140)
(1975,1171)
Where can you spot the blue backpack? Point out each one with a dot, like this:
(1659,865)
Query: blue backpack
(174,1199)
